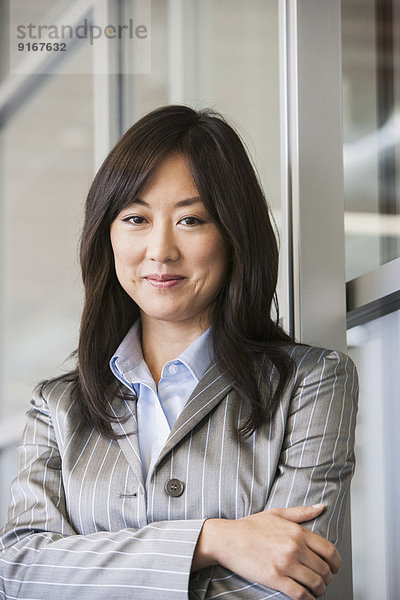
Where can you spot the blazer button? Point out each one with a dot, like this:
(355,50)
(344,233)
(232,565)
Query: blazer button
(174,487)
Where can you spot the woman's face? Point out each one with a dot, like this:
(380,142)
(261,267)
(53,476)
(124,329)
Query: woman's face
(169,254)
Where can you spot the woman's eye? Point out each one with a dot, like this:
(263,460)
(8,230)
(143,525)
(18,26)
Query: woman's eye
(135,220)
(192,221)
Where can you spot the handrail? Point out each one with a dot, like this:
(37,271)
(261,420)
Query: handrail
(373,294)
(16,89)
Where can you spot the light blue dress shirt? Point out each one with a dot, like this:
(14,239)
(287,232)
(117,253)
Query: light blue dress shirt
(158,409)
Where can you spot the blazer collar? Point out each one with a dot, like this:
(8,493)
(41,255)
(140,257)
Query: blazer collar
(211,389)
(126,427)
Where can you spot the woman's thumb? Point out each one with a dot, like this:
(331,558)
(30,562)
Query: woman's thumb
(299,514)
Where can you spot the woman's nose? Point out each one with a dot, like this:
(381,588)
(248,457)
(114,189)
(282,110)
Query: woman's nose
(161,244)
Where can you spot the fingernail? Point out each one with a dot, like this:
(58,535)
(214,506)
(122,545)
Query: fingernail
(317,505)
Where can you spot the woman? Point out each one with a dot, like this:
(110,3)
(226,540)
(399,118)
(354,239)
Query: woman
(196,451)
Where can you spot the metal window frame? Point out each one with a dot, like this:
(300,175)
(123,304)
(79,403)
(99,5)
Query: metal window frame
(313,189)
(313,170)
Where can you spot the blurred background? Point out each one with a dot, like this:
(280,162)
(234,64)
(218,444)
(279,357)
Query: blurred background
(314,91)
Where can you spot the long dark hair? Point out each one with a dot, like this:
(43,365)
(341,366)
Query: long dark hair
(243,327)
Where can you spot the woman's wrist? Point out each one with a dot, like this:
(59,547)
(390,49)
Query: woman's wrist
(206,552)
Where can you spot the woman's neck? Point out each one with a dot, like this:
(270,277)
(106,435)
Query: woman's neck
(164,340)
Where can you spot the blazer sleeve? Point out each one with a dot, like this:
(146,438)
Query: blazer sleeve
(316,462)
(317,458)
(42,557)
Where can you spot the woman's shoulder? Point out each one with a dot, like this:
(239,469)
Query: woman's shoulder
(51,392)
(305,352)
(307,359)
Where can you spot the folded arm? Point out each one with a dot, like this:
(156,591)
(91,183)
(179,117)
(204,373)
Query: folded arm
(270,552)
(43,557)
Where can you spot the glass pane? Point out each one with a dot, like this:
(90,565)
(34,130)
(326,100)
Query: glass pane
(223,55)
(371,122)
(375,491)
(46,164)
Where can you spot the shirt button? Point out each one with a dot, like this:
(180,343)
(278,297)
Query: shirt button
(174,487)
(172,369)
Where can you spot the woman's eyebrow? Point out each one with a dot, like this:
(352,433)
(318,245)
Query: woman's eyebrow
(189,201)
(180,204)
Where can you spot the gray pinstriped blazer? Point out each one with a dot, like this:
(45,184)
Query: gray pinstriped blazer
(83,525)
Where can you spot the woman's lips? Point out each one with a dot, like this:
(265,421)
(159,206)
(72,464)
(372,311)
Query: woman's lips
(163,281)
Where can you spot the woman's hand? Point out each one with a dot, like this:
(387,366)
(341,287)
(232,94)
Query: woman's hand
(272,549)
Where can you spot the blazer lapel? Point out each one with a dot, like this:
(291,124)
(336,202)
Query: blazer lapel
(127,427)
(210,390)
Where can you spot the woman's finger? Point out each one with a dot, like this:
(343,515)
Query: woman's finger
(325,549)
(317,564)
(294,590)
(309,579)
(299,514)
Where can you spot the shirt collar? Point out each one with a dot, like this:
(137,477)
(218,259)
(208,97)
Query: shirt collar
(198,355)
(129,356)
(129,353)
